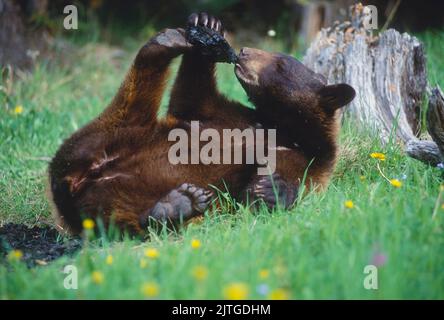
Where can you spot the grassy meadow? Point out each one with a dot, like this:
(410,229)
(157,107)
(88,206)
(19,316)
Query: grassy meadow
(318,250)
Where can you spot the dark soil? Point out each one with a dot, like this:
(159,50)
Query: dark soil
(38,244)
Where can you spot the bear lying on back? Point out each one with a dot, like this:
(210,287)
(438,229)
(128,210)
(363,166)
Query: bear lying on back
(116,168)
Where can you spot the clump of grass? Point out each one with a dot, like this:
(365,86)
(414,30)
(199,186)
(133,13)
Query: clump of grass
(433,45)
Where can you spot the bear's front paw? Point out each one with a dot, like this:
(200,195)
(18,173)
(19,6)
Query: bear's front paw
(274,190)
(206,34)
(172,38)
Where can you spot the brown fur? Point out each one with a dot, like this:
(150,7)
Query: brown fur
(117,167)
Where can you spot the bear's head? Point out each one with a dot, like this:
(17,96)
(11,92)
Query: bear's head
(285,91)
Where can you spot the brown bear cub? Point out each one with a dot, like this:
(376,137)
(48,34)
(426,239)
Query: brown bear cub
(116,168)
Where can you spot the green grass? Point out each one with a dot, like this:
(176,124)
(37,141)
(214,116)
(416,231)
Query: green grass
(317,250)
(434,45)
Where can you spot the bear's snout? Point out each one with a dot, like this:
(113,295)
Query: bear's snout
(250,64)
(255,58)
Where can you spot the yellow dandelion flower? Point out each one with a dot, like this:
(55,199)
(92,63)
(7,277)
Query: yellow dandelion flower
(88,224)
(362,178)
(378,155)
(150,289)
(15,255)
(442,206)
(236,291)
(200,273)
(109,259)
(152,253)
(195,244)
(143,263)
(278,294)
(264,273)
(441,188)
(97,277)
(396,183)
(349,204)
(18,109)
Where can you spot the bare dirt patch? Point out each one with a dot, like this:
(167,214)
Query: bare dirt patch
(38,244)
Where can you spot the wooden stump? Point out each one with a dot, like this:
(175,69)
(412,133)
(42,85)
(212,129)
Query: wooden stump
(388,73)
(431,152)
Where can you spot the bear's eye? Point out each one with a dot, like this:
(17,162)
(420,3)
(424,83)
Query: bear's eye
(281,66)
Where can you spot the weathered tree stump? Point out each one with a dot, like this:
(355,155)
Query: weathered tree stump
(389,75)
(431,152)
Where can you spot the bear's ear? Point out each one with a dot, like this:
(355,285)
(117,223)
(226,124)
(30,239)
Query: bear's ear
(336,96)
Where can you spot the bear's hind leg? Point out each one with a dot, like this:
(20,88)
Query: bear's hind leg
(178,206)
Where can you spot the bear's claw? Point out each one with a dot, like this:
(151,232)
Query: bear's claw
(199,197)
(205,20)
